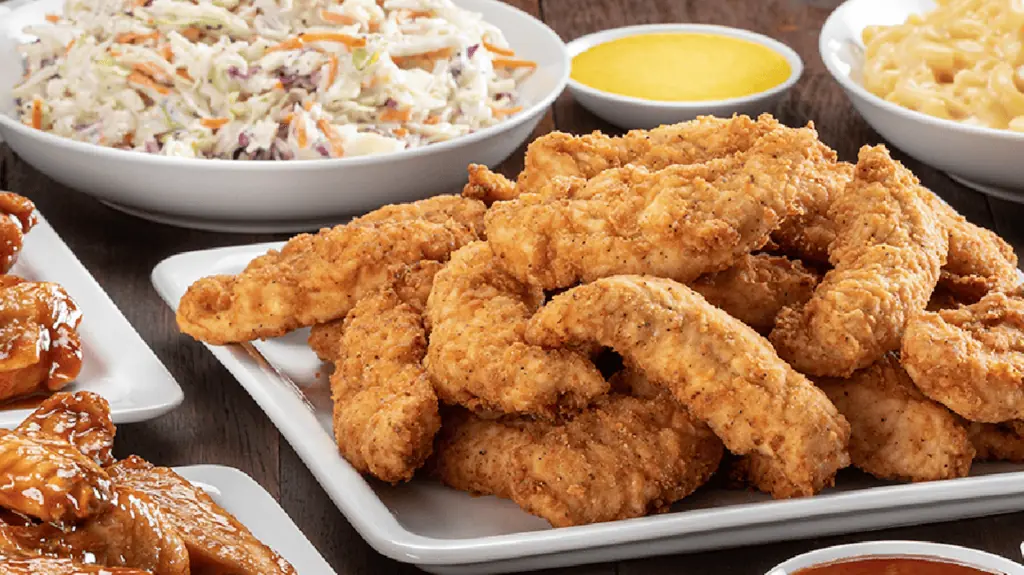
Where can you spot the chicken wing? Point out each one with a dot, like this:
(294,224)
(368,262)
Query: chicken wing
(385,407)
(15,563)
(17,217)
(896,432)
(757,287)
(477,356)
(971,359)
(81,419)
(216,541)
(38,333)
(887,254)
(679,222)
(720,369)
(623,457)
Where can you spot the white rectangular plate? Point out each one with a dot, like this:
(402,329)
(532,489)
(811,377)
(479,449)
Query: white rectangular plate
(116,363)
(242,497)
(445,531)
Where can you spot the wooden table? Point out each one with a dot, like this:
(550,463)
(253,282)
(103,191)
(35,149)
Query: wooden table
(219,423)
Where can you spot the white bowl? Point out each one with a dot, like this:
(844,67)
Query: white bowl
(950,553)
(984,158)
(637,113)
(279,196)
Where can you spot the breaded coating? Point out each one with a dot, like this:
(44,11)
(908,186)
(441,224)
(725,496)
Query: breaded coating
(81,419)
(757,287)
(998,441)
(411,282)
(488,186)
(385,407)
(895,431)
(313,279)
(436,210)
(17,217)
(887,254)
(721,370)
(562,155)
(807,236)
(477,356)
(623,457)
(679,222)
(971,359)
(216,541)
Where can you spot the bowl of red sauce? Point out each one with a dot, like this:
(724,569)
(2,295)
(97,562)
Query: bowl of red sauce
(897,558)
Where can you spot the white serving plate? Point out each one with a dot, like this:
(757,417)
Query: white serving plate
(445,531)
(983,158)
(116,364)
(278,196)
(242,497)
(948,553)
(636,113)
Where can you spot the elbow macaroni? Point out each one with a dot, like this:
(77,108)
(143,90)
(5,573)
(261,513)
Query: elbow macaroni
(963,61)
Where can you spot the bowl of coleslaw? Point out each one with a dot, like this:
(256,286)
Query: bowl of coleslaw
(270,115)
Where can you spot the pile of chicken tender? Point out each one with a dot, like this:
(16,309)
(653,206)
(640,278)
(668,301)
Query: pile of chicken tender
(637,314)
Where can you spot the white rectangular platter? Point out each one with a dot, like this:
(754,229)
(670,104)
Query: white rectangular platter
(116,363)
(449,532)
(242,497)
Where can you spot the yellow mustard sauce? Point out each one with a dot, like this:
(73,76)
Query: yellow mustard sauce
(680,67)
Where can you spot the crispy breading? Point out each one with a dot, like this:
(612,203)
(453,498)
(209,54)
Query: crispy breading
(720,369)
(971,359)
(998,441)
(807,236)
(623,457)
(385,407)
(488,186)
(887,254)
(477,356)
(679,222)
(411,282)
(757,287)
(437,210)
(896,432)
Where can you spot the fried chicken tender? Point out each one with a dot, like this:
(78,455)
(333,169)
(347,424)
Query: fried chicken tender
(436,210)
(623,457)
(39,335)
(49,479)
(216,541)
(896,432)
(412,283)
(757,287)
(477,356)
(887,254)
(679,223)
(721,370)
(807,236)
(998,441)
(971,359)
(313,279)
(17,217)
(385,407)
(81,419)
(488,186)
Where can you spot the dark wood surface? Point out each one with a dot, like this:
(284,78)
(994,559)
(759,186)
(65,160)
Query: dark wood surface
(219,423)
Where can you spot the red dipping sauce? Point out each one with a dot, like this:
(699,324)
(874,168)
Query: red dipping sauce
(894,566)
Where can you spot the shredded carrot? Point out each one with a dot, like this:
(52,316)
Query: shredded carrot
(289,44)
(128,140)
(147,82)
(152,71)
(380,3)
(191,33)
(332,69)
(392,115)
(67,49)
(166,52)
(301,40)
(138,3)
(337,150)
(307,105)
(414,14)
(214,123)
(513,63)
(374,26)
(115,52)
(287,119)
(400,132)
(132,38)
(37,113)
(373,81)
(432,120)
(506,111)
(300,134)
(279,85)
(422,59)
(498,49)
(52,18)
(183,74)
(335,18)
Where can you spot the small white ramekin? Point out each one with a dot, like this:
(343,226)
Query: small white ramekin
(936,551)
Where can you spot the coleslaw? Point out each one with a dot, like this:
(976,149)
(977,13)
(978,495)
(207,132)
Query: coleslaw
(267,79)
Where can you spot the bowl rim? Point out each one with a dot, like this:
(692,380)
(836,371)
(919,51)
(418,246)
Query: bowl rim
(897,548)
(848,84)
(583,43)
(538,107)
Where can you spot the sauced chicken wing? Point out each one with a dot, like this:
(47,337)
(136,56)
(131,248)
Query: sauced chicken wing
(39,343)
(50,479)
(81,419)
(20,563)
(215,540)
(17,217)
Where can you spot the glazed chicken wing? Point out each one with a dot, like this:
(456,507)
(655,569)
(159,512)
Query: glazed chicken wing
(81,419)
(17,217)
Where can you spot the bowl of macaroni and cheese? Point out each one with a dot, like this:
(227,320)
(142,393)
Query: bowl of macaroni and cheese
(941,80)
